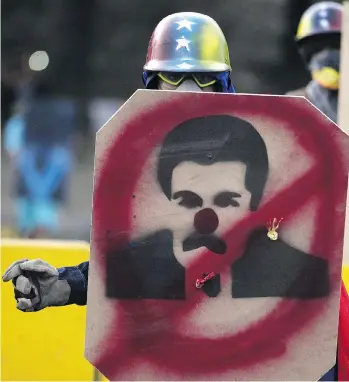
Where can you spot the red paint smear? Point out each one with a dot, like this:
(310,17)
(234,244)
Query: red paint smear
(343,336)
(112,211)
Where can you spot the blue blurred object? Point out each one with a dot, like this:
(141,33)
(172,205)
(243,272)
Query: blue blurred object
(33,214)
(330,375)
(43,169)
(50,121)
(42,141)
(14,134)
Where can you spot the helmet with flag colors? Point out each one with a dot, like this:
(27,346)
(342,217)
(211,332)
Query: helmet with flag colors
(319,28)
(187,42)
(322,18)
(318,38)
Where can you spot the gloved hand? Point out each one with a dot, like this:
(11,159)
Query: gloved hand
(37,285)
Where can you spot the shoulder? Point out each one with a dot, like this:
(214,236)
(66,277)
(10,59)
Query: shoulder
(159,238)
(158,244)
(298,92)
(280,257)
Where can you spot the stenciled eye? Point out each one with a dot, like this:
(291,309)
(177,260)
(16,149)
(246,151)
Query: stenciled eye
(226,199)
(188,199)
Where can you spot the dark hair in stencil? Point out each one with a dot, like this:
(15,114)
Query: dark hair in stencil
(213,139)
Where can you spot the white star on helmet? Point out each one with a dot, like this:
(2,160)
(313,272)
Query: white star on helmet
(185,24)
(183,43)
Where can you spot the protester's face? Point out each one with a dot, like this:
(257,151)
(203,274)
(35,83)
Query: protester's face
(209,201)
(325,68)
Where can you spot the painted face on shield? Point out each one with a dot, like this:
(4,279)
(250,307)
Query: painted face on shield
(207,212)
(212,177)
(186,81)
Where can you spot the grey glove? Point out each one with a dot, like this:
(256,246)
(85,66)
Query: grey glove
(37,285)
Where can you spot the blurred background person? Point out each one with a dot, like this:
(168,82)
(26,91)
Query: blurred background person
(15,81)
(39,139)
(318,38)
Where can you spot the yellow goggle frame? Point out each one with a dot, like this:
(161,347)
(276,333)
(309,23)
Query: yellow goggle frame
(203,80)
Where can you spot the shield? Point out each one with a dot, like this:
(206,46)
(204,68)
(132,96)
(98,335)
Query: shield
(217,239)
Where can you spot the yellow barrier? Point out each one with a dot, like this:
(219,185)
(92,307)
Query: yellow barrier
(45,345)
(55,336)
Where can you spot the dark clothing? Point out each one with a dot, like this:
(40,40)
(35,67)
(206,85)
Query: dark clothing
(298,92)
(275,269)
(324,99)
(148,269)
(331,375)
(50,122)
(77,278)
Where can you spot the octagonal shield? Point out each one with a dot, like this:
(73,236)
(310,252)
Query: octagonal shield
(217,239)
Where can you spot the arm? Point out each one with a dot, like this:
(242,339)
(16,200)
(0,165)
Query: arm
(39,285)
(77,278)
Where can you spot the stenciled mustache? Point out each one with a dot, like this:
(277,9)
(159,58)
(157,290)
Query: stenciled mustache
(211,242)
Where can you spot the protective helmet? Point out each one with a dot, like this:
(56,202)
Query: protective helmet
(187,42)
(319,27)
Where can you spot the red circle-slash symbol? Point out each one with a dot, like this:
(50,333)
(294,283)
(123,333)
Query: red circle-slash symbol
(112,210)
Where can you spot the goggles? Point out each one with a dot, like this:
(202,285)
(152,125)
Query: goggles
(202,79)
